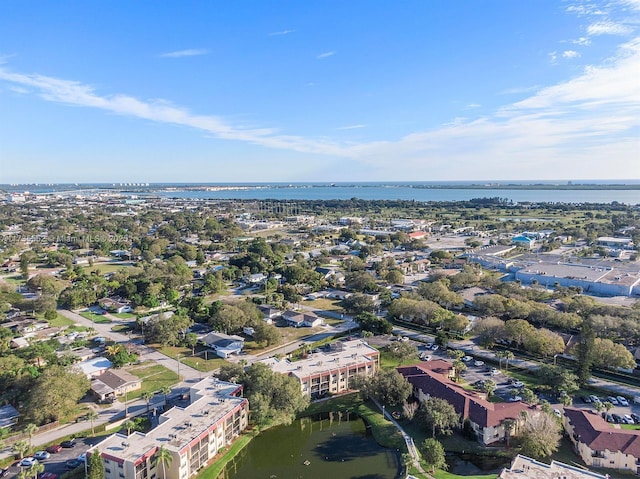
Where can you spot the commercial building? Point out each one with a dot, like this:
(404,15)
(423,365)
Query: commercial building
(193,435)
(330,370)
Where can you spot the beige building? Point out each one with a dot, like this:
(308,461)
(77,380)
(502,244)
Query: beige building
(599,443)
(330,370)
(524,467)
(193,435)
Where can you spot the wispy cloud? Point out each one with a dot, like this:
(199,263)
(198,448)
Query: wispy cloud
(283,32)
(582,41)
(352,127)
(570,54)
(193,52)
(474,105)
(325,55)
(608,28)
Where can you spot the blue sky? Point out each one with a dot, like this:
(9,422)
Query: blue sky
(212,91)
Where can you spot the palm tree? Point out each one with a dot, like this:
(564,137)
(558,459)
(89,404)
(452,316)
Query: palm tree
(24,474)
(20,448)
(129,425)
(114,349)
(509,425)
(92,416)
(35,469)
(165,390)
(164,458)
(508,356)
(147,396)
(30,429)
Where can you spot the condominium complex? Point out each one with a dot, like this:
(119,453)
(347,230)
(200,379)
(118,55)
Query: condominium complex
(193,435)
(329,370)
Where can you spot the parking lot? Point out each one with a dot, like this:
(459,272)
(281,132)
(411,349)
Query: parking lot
(56,463)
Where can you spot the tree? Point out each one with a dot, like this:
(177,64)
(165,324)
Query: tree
(92,416)
(438,415)
(488,331)
(20,448)
(608,354)
(540,435)
(371,322)
(509,425)
(55,394)
(36,469)
(358,303)
(409,409)
(147,396)
(402,350)
(165,391)
(488,387)
(433,454)
(164,459)
(266,334)
(30,429)
(388,387)
(96,465)
(129,426)
(584,353)
(191,340)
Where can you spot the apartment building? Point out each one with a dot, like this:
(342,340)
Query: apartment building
(193,435)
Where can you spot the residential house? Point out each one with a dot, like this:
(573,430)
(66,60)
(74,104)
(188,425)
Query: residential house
(193,435)
(599,444)
(8,416)
(330,370)
(115,305)
(525,467)
(114,383)
(487,419)
(94,367)
(224,345)
(296,319)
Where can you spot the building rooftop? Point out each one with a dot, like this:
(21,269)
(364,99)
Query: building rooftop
(350,353)
(524,467)
(211,400)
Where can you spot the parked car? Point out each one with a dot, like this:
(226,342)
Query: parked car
(42,455)
(466,359)
(435,347)
(557,412)
(4,472)
(515,399)
(613,401)
(617,419)
(594,399)
(28,462)
(68,444)
(608,417)
(635,417)
(82,457)
(517,384)
(72,464)
(494,371)
(628,419)
(622,400)
(425,357)
(56,448)
(478,363)
(47,475)
(586,399)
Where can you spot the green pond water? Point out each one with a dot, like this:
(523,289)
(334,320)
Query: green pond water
(328,446)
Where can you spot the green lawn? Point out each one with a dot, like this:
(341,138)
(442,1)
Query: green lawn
(154,377)
(124,315)
(60,321)
(325,304)
(108,268)
(388,361)
(121,328)
(213,471)
(96,318)
(196,362)
(447,475)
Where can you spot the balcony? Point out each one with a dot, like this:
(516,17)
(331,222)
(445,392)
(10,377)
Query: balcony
(599,454)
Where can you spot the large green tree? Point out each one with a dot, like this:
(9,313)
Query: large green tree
(541,435)
(438,415)
(96,465)
(55,394)
(433,454)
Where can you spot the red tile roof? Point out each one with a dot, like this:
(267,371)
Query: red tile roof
(591,429)
(432,378)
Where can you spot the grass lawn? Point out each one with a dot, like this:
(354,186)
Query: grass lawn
(108,268)
(213,471)
(121,328)
(447,475)
(388,361)
(14,279)
(154,377)
(124,315)
(60,321)
(96,318)
(325,304)
(196,362)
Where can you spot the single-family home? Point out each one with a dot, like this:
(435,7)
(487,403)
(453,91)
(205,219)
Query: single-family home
(223,344)
(297,319)
(94,367)
(115,305)
(114,383)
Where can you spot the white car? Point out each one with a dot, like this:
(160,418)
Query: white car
(515,399)
(478,363)
(42,455)
(494,371)
(425,357)
(517,384)
(623,401)
(466,359)
(613,400)
(557,412)
(28,462)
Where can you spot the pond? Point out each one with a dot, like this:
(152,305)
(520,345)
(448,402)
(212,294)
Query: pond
(332,445)
(475,464)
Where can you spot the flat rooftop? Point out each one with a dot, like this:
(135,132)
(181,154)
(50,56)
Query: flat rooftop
(343,354)
(211,401)
(524,467)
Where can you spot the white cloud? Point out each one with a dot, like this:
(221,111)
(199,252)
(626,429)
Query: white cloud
(607,28)
(283,32)
(194,52)
(474,105)
(570,54)
(582,41)
(325,55)
(553,57)
(352,127)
